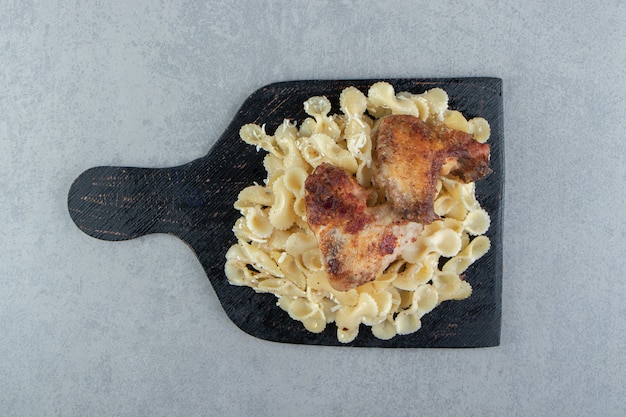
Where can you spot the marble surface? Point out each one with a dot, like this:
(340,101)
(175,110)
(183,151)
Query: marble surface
(133,328)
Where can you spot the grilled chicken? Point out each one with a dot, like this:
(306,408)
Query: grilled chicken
(357,242)
(412,153)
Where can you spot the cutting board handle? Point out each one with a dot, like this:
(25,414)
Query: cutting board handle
(122,203)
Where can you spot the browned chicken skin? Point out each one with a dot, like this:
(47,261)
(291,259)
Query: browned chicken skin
(410,155)
(357,242)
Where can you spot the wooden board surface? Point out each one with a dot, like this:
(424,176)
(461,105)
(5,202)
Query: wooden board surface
(195,203)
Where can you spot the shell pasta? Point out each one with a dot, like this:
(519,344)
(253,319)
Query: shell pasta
(276,251)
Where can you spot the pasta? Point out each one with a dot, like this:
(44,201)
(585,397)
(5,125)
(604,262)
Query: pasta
(277,253)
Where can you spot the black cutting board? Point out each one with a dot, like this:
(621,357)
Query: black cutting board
(195,203)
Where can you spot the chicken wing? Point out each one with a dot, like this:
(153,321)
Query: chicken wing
(357,242)
(410,155)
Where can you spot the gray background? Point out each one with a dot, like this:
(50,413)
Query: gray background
(134,328)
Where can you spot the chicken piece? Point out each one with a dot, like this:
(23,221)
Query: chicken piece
(410,156)
(357,242)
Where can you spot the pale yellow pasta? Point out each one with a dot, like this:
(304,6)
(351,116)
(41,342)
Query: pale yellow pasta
(307,128)
(274,167)
(415,275)
(278,240)
(479,128)
(294,179)
(319,107)
(457,289)
(239,275)
(258,221)
(331,152)
(357,131)
(309,153)
(385,281)
(473,251)
(384,302)
(453,224)
(386,329)
(285,138)
(282,214)
(282,287)
(348,318)
(310,314)
(289,268)
(420,103)
(352,102)
(359,143)
(446,283)
(277,253)
(454,119)
(301,308)
(424,300)
(364,175)
(316,322)
(255,195)
(235,271)
(437,100)
(463,193)
(445,242)
(449,206)
(300,242)
(255,135)
(260,259)
(476,222)
(242,232)
(312,260)
(235,253)
(318,281)
(435,238)
(407,322)
(383,100)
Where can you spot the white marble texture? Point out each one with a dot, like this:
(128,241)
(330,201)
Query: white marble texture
(92,328)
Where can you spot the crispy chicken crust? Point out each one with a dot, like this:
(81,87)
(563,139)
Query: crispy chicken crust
(357,242)
(410,156)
